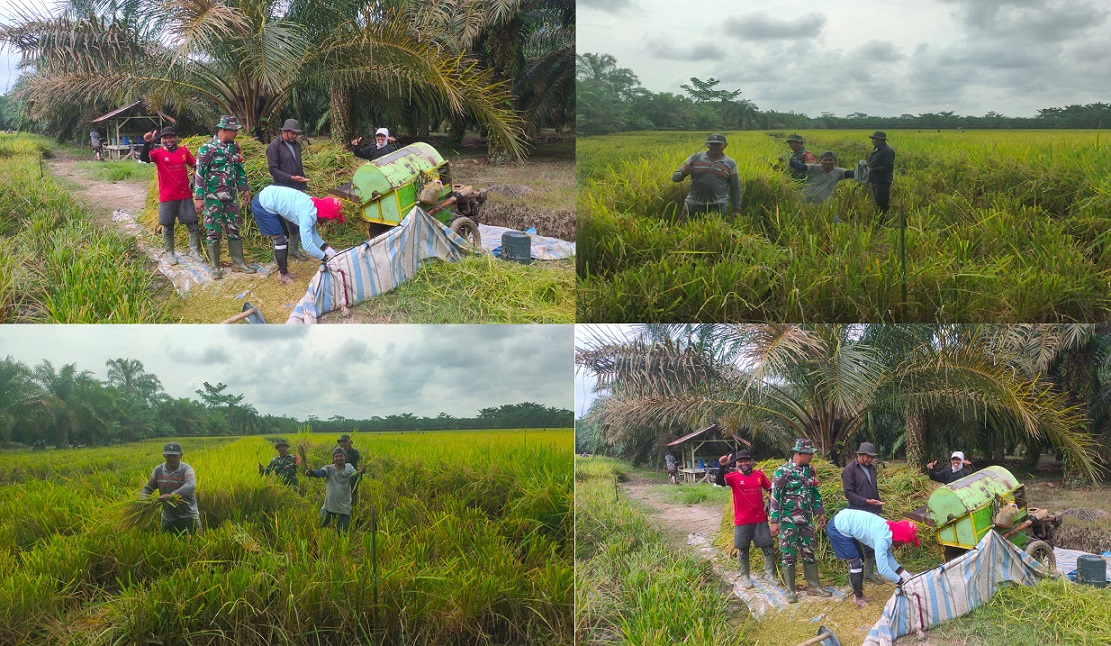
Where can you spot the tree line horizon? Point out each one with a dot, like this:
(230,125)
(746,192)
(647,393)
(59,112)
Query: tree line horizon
(66,406)
(611,99)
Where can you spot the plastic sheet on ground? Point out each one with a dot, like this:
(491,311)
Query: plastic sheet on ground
(764,595)
(190,270)
(1066,561)
(543,247)
(954,589)
(377,266)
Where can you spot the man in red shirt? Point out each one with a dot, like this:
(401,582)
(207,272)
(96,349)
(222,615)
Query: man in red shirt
(175,193)
(750,520)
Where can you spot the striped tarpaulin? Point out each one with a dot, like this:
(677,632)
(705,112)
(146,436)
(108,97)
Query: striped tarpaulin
(377,266)
(954,589)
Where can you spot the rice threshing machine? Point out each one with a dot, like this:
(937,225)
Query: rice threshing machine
(387,188)
(962,512)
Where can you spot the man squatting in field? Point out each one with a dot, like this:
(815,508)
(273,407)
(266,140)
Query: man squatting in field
(750,522)
(799,153)
(852,529)
(337,491)
(174,194)
(175,477)
(283,158)
(821,178)
(796,505)
(714,180)
(219,180)
(858,481)
(285,465)
(276,204)
(881,167)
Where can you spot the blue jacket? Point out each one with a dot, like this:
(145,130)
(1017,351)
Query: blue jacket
(873,531)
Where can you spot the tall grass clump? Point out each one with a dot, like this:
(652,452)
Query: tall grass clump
(1000,226)
(56,265)
(455,538)
(632,586)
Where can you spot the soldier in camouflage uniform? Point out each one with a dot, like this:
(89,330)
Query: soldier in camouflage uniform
(285,465)
(795,506)
(219,180)
(798,153)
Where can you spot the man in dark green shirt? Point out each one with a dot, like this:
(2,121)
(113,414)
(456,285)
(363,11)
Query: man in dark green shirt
(285,465)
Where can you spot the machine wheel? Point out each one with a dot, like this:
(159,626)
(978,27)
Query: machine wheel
(1042,552)
(468,230)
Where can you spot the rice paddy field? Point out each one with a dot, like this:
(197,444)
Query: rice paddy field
(1001,226)
(56,265)
(456,538)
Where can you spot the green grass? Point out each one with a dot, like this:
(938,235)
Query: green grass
(1051,612)
(631,586)
(473,545)
(480,289)
(115,171)
(1001,226)
(697,495)
(56,265)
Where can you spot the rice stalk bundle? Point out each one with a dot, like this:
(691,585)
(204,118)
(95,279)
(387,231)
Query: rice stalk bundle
(140,511)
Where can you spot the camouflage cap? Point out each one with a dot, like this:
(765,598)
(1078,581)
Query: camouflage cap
(228,122)
(715,139)
(803,446)
(797,138)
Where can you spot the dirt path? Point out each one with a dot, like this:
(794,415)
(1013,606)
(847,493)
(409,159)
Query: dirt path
(677,519)
(101,196)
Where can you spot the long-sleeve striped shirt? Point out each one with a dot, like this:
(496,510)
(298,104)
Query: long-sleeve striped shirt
(181,481)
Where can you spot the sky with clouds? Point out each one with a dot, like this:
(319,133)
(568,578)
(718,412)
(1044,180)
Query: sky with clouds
(357,371)
(880,58)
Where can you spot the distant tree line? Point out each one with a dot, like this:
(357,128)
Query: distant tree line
(611,99)
(67,406)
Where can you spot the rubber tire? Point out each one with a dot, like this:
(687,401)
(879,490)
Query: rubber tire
(1043,553)
(468,230)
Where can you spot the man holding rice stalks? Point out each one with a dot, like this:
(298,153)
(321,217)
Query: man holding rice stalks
(796,508)
(750,521)
(821,178)
(174,195)
(217,185)
(853,529)
(337,496)
(800,154)
(275,204)
(285,465)
(715,183)
(173,479)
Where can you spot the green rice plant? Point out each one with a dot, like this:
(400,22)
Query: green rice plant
(1001,226)
(125,170)
(142,511)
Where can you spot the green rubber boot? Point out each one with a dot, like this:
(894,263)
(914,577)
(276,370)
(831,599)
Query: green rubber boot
(810,571)
(195,243)
(870,572)
(235,250)
(295,247)
(742,561)
(769,565)
(214,258)
(789,582)
(168,246)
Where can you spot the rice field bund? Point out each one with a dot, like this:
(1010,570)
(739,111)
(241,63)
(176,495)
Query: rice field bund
(1001,226)
(455,538)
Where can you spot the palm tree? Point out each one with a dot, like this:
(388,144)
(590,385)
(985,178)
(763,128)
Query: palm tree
(822,382)
(129,377)
(244,57)
(69,402)
(16,391)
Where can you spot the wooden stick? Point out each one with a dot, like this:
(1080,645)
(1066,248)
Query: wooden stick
(240,316)
(816,640)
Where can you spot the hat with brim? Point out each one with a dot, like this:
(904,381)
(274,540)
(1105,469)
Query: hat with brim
(382,131)
(796,138)
(281,442)
(742,455)
(167,132)
(292,125)
(228,122)
(879,134)
(344,438)
(803,446)
(171,448)
(867,448)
